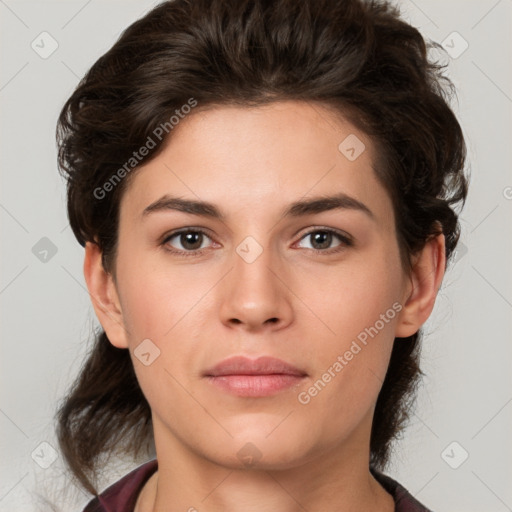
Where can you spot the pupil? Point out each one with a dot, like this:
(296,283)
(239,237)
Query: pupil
(322,238)
(194,239)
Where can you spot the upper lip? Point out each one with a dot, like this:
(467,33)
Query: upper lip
(240,365)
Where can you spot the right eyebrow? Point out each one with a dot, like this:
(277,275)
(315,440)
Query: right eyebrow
(191,206)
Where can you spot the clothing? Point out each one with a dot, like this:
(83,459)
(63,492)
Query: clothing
(122,495)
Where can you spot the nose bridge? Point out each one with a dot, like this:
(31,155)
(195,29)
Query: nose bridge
(255,294)
(252,264)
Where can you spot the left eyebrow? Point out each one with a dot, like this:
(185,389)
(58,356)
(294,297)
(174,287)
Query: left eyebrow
(325,203)
(300,208)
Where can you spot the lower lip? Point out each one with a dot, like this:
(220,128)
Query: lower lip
(255,385)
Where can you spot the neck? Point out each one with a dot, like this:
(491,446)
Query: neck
(186,481)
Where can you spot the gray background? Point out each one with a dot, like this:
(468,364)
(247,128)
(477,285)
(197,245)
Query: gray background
(46,315)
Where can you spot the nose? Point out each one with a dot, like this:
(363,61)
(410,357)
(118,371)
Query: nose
(255,295)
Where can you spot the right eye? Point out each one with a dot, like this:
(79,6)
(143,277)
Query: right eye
(192,242)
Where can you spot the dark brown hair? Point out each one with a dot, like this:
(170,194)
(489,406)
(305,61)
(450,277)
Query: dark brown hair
(356,57)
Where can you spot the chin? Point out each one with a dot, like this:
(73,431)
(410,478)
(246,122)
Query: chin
(259,452)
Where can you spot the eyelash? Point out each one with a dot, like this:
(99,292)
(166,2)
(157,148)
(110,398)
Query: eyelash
(345,240)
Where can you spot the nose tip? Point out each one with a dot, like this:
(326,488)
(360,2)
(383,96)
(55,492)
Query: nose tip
(254,296)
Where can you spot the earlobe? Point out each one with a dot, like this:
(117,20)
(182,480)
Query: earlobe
(104,297)
(425,280)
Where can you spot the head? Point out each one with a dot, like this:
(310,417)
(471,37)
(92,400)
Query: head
(265,111)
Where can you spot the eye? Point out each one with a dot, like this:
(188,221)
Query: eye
(322,239)
(188,240)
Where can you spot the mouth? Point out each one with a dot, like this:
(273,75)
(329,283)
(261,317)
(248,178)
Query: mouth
(261,377)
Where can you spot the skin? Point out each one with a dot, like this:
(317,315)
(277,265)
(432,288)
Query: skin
(198,310)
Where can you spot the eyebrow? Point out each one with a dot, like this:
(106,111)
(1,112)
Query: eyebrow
(300,208)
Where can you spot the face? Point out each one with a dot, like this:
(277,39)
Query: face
(264,269)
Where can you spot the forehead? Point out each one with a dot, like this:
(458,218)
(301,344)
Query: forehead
(243,157)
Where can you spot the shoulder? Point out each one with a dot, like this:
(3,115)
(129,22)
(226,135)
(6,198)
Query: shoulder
(404,500)
(122,495)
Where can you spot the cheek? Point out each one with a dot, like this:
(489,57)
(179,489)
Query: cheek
(155,299)
(163,304)
(350,371)
(170,306)
(354,297)
(360,306)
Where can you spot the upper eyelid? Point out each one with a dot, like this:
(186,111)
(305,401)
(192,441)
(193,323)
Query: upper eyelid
(180,231)
(339,232)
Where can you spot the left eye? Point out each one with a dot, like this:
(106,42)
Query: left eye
(322,239)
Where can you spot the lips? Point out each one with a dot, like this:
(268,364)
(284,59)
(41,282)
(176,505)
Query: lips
(248,378)
(239,365)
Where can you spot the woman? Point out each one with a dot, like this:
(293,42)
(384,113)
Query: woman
(266,195)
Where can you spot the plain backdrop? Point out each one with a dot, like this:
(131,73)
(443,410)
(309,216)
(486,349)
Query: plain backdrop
(456,455)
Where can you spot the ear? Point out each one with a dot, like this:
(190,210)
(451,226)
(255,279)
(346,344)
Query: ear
(104,297)
(425,279)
